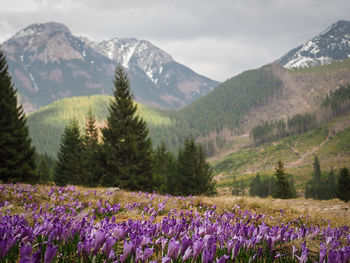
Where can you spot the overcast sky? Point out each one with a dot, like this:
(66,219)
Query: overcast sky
(218,39)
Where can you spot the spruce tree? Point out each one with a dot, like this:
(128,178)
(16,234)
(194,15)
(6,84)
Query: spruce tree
(317,179)
(331,185)
(255,186)
(343,189)
(206,185)
(91,159)
(282,186)
(43,171)
(292,187)
(45,167)
(127,147)
(70,166)
(187,168)
(194,173)
(17,161)
(164,170)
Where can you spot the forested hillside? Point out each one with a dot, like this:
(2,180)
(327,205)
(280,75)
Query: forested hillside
(224,107)
(230,101)
(260,99)
(329,141)
(47,124)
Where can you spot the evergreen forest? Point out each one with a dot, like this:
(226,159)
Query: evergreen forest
(120,154)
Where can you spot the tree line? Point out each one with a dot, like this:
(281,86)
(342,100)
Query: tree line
(125,158)
(118,155)
(321,187)
(281,185)
(295,125)
(328,185)
(338,101)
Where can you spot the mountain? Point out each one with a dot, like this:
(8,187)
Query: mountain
(47,62)
(333,44)
(222,119)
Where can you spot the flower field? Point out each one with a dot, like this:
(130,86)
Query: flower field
(75,224)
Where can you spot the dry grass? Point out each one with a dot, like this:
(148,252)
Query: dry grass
(276,210)
(284,210)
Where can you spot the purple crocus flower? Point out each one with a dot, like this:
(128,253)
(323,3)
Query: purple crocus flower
(185,243)
(187,254)
(164,241)
(223,259)
(119,233)
(108,245)
(145,241)
(294,251)
(5,246)
(126,250)
(36,256)
(50,253)
(166,260)
(260,252)
(173,248)
(197,248)
(323,253)
(206,256)
(99,239)
(237,248)
(25,252)
(333,256)
(147,253)
(138,254)
(304,253)
(230,244)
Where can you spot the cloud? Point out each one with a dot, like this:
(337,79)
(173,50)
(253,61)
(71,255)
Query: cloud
(217,39)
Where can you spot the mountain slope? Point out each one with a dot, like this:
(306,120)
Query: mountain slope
(333,44)
(265,94)
(222,119)
(47,63)
(330,141)
(47,124)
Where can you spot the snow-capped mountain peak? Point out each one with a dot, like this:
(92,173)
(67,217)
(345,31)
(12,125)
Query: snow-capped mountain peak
(131,52)
(333,44)
(48,62)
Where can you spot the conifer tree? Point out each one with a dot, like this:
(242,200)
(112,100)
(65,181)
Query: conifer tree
(164,173)
(194,173)
(317,176)
(17,161)
(206,185)
(43,171)
(343,189)
(255,186)
(282,186)
(331,185)
(187,168)
(91,159)
(127,147)
(292,187)
(70,166)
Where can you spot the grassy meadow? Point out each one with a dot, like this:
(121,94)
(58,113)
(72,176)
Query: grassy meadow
(78,224)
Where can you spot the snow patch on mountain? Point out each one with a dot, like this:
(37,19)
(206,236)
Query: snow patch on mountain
(333,44)
(131,52)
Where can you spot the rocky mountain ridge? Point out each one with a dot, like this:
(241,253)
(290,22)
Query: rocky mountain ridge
(47,63)
(333,44)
